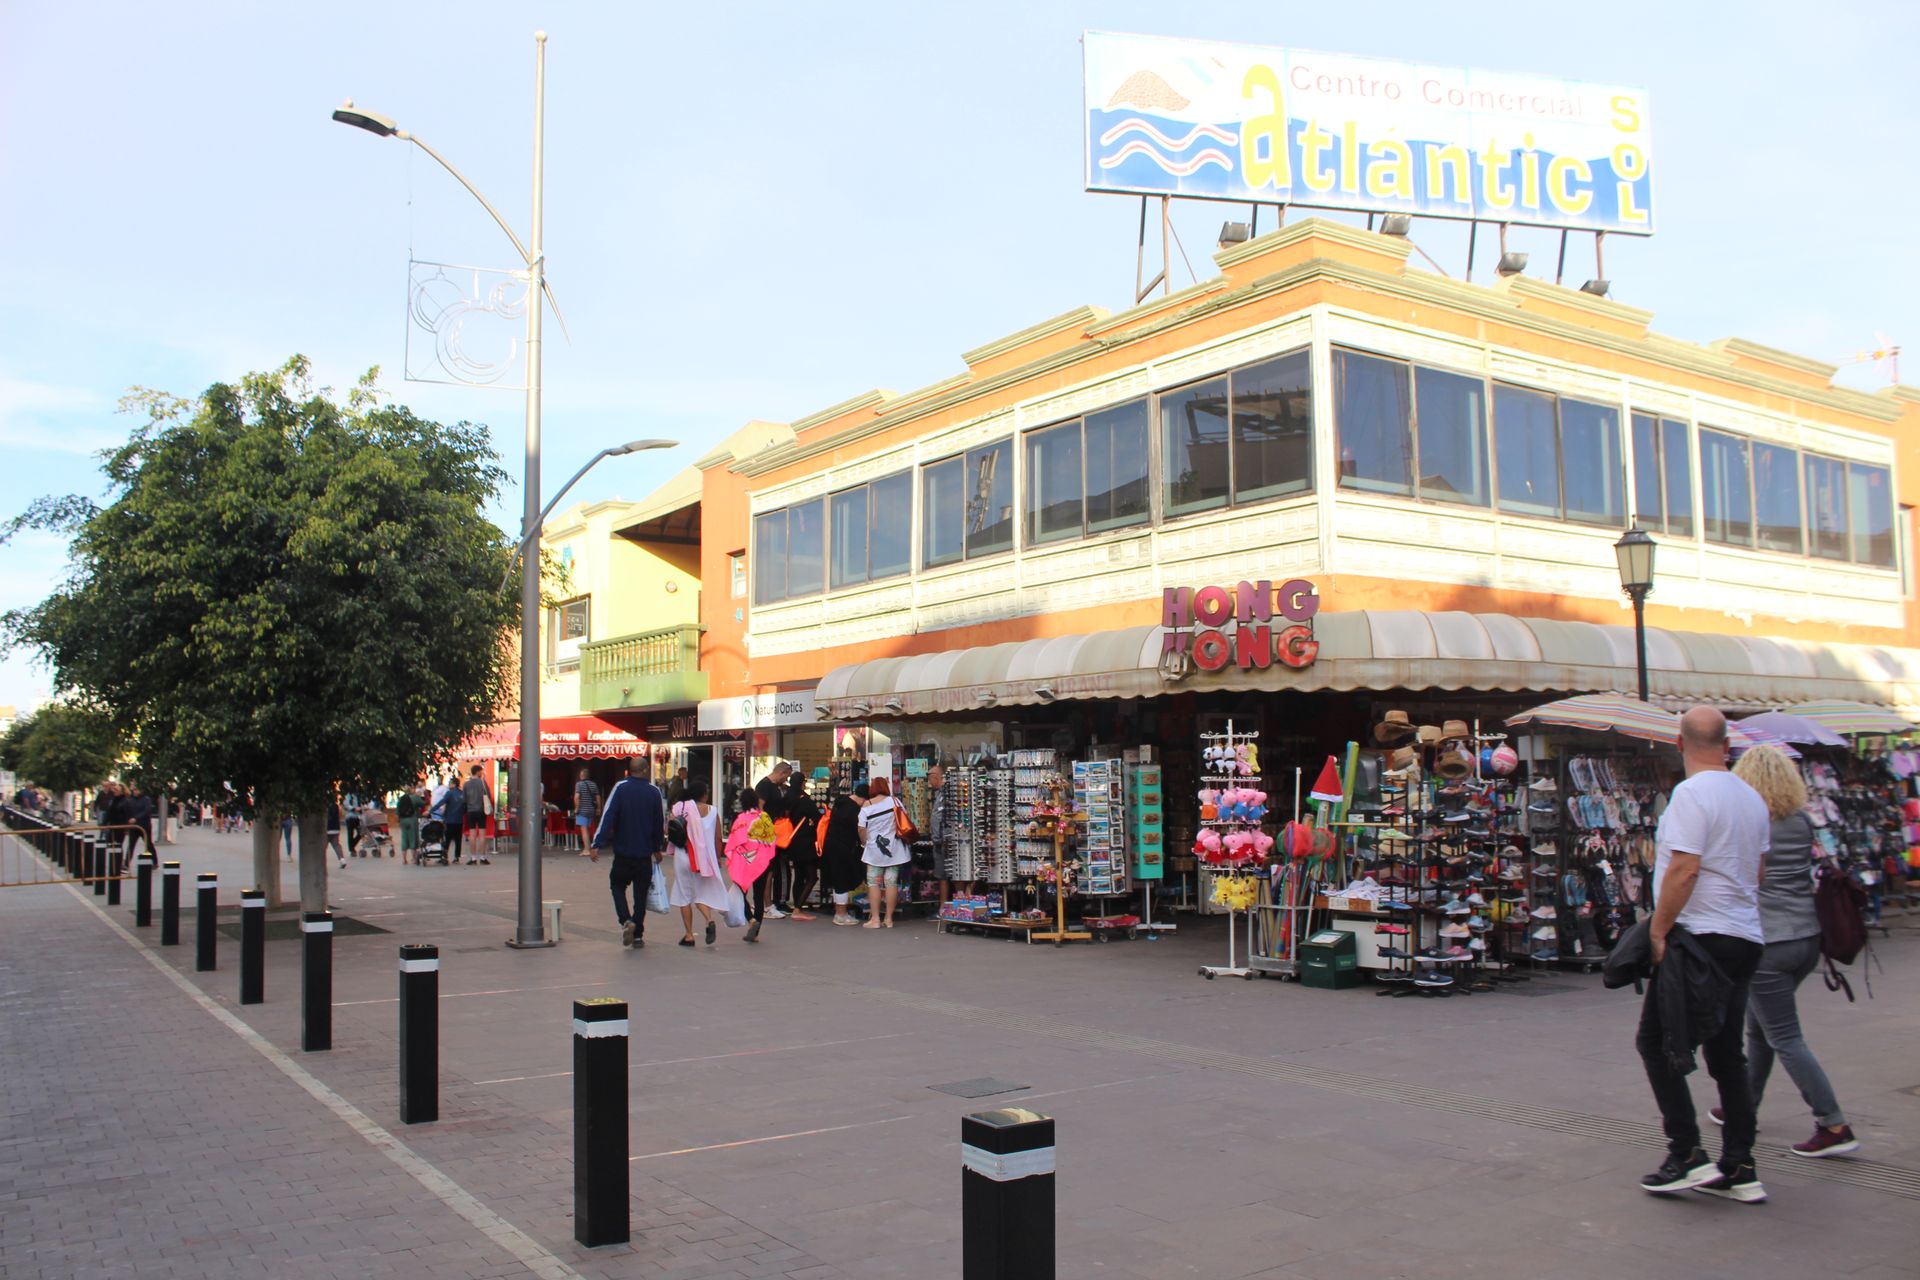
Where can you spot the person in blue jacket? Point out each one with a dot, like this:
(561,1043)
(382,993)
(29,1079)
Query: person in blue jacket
(633,823)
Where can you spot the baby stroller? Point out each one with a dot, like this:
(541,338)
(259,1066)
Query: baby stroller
(433,842)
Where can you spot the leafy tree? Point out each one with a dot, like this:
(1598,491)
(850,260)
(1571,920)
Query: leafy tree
(65,747)
(285,592)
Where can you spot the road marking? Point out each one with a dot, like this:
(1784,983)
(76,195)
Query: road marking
(450,1193)
(776,1137)
(714,1057)
(461,995)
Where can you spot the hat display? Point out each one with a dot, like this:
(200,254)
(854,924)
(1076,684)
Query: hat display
(1401,757)
(1394,728)
(1327,786)
(1429,733)
(1453,729)
(1453,762)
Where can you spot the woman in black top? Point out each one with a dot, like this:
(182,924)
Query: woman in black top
(840,854)
(803,853)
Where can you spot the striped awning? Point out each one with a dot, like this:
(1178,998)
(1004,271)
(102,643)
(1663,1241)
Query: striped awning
(1631,718)
(1388,649)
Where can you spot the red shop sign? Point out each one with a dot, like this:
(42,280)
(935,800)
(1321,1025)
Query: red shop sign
(1197,623)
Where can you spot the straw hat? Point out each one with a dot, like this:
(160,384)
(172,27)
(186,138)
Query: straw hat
(1428,734)
(1454,729)
(1453,762)
(1394,728)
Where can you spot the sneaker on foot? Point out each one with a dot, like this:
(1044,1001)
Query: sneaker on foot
(775,913)
(626,933)
(1825,1142)
(1681,1173)
(1742,1184)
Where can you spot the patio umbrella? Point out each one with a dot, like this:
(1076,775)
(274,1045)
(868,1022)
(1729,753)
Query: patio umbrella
(1630,718)
(1852,717)
(1792,728)
(1742,734)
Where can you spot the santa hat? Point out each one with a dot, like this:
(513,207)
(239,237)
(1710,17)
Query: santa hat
(1328,787)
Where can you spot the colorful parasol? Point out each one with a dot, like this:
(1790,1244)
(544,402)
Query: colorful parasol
(1629,718)
(1795,729)
(1851,717)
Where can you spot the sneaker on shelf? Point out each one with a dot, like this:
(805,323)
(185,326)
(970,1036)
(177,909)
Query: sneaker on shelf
(1454,931)
(1432,978)
(1544,911)
(1546,955)
(1479,924)
(1543,785)
(1456,907)
(1825,1142)
(1544,873)
(1541,806)
(1459,953)
(1393,930)
(1478,944)
(1741,1184)
(1681,1173)
(1461,816)
(1520,916)
(1394,953)
(1474,899)
(1545,932)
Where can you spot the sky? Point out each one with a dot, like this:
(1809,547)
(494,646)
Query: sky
(760,210)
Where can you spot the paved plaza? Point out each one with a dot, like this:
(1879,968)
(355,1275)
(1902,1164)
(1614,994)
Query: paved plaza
(784,1122)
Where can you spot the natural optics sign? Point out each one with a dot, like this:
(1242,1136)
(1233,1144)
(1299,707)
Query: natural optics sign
(1288,126)
(1268,626)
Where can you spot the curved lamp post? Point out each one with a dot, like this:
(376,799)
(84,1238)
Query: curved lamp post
(1634,552)
(529,927)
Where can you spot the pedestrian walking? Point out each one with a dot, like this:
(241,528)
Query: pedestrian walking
(840,865)
(407,811)
(586,807)
(677,787)
(1792,952)
(474,793)
(352,807)
(633,823)
(140,813)
(883,851)
(750,858)
(451,808)
(333,829)
(803,850)
(1709,849)
(699,880)
(771,791)
(286,835)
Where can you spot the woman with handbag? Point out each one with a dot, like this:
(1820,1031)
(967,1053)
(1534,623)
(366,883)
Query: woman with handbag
(693,834)
(883,850)
(840,864)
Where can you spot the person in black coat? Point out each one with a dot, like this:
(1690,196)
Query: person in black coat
(772,791)
(840,852)
(803,853)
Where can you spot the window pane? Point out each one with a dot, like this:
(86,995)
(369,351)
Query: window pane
(1116,447)
(1193,446)
(770,557)
(943,508)
(1591,476)
(1726,503)
(890,531)
(850,537)
(1371,405)
(1776,497)
(1827,506)
(1870,514)
(990,499)
(805,548)
(1053,483)
(1452,412)
(1679,476)
(1649,512)
(1526,451)
(1273,428)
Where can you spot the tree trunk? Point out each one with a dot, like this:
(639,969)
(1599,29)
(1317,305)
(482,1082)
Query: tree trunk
(266,857)
(160,819)
(313,862)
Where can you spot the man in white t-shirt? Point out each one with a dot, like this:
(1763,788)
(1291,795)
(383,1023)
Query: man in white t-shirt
(1711,849)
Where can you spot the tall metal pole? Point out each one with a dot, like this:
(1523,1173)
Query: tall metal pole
(1640,635)
(530,929)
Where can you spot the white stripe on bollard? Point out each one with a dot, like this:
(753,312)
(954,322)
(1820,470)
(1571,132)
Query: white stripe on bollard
(594,1030)
(1010,1167)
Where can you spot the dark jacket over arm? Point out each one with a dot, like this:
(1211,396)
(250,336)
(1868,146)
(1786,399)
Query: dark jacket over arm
(1690,988)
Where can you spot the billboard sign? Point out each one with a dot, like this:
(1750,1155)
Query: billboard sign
(1242,122)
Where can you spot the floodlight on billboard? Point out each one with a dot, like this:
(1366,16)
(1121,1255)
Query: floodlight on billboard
(1207,120)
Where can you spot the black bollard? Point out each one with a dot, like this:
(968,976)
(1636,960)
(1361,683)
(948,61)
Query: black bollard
(143,891)
(66,848)
(206,911)
(102,852)
(316,981)
(600,1122)
(170,904)
(1006,1195)
(94,866)
(419,1033)
(253,946)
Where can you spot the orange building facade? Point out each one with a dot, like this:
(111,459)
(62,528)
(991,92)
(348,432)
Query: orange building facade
(1415,447)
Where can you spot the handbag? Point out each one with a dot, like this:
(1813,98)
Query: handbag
(677,829)
(903,825)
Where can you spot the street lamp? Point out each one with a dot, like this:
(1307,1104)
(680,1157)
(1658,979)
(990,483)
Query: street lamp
(533,534)
(529,929)
(1634,551)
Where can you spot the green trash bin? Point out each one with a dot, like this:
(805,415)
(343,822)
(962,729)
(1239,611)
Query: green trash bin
(1329,958)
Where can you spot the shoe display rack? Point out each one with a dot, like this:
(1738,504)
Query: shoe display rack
(1593,824)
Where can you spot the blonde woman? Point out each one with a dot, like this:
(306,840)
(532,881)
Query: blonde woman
(1793,951)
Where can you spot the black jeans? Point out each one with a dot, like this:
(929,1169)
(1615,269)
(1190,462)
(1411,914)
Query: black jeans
(637,872)
(756,897)
(454,830)
(1725,1057)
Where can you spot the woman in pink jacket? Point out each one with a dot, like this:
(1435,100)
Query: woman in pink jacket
(749,854)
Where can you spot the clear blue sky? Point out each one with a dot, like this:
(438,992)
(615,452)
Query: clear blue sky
(759,210)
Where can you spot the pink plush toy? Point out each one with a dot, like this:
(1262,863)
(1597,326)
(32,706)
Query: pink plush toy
(1239,846)
(1207,844)
(1262,843)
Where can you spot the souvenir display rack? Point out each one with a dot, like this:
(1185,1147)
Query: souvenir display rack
(1230,837)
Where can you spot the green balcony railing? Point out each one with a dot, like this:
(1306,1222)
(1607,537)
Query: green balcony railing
(646,669)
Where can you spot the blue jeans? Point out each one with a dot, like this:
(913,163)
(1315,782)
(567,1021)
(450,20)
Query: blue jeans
(1773,1027)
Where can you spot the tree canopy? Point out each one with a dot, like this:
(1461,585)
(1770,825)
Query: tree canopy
(62,747)
(283,591)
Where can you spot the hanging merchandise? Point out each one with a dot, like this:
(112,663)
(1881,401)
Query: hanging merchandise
(1230,839)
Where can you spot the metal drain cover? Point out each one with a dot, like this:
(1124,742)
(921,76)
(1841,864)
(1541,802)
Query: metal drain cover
(984,1087)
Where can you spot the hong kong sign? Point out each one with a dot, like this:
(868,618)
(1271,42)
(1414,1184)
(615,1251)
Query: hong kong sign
(1251,625)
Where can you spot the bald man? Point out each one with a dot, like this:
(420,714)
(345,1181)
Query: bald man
(1710,851)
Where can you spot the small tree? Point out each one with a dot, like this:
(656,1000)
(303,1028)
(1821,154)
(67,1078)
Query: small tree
(69,747)
(285,592)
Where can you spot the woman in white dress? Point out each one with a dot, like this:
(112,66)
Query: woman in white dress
(883,852)
(698,879)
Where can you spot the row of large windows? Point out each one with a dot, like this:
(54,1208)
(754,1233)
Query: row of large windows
(1403,428)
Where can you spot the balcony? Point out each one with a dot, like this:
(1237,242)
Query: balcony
(646,669)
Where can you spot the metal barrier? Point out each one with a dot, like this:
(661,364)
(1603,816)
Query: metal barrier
(36,851)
